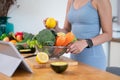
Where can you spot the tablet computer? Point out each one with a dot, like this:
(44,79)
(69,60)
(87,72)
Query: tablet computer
(11,59)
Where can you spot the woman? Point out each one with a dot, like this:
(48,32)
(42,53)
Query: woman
(85,18)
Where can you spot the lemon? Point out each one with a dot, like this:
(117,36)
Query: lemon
(50,23)
(60,34)
(42,57)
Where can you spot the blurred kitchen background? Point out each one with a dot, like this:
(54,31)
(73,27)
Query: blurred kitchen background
(28,15)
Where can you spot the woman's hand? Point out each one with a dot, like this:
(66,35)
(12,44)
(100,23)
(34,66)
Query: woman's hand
(44,22)
(77,46)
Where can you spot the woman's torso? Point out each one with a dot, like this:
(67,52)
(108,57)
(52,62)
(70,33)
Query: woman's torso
(84,20)
(85,24)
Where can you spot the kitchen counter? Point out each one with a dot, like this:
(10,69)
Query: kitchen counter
(75,72)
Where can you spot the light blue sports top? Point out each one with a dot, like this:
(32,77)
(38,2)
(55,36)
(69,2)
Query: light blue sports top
(85,24)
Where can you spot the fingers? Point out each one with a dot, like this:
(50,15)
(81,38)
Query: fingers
(73,49)
(44,22)
(68,48)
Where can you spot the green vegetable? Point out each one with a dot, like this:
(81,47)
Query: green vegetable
(45,38)
(19,47)
(27,36)
(11,36)
(3,36)
(31,43)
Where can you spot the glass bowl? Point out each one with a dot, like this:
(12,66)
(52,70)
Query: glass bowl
(53,51)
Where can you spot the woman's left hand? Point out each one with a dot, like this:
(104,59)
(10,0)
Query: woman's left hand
(77,46)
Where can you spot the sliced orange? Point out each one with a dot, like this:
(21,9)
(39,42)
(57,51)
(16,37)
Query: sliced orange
(13,41)
(60,40)
(69,38)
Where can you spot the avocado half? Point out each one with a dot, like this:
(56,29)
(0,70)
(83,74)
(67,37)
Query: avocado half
(30,50)
(59,67)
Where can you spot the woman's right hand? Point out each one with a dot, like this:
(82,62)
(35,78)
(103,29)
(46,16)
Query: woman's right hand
(76,47)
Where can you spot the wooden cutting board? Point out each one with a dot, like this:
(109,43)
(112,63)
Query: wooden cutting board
(36,65)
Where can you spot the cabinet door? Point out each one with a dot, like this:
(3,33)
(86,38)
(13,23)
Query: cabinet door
(115,54)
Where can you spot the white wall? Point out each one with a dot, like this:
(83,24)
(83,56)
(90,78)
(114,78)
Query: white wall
(114,7)
(31,13)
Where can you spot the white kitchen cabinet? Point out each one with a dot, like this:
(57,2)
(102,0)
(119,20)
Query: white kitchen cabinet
(114,53)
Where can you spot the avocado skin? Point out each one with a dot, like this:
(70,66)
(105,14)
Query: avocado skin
(59,69)
(19,47)
(30,50)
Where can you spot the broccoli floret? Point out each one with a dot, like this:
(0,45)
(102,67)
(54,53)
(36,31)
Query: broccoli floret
(45,38)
